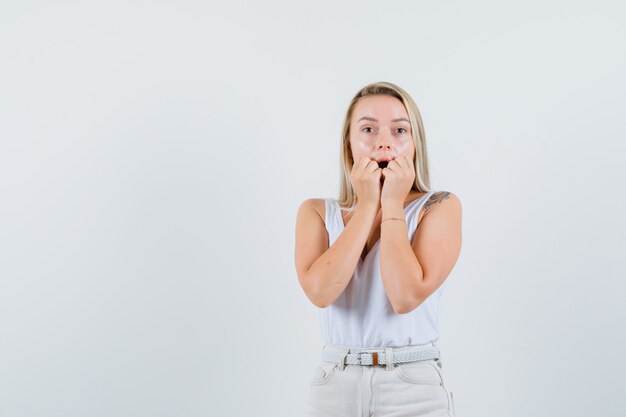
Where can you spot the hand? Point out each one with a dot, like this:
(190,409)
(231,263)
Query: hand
(365,178)
(399,176)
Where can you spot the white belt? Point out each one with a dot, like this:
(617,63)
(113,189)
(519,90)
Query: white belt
(380,356)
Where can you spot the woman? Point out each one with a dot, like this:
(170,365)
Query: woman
(375,275)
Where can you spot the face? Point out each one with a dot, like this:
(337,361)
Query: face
(380,130)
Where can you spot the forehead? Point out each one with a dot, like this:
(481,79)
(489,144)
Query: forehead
(381,107)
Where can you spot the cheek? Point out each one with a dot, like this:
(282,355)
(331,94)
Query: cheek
(407,149)
(361,146)
(360,149)
(356,153)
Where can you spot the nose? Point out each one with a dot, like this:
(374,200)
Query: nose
(383,140)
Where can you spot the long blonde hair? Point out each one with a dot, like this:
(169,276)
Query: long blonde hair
(347,196)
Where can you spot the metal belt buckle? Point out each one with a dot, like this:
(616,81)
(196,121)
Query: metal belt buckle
(374,358)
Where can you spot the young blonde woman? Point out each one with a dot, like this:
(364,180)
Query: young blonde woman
(375,262)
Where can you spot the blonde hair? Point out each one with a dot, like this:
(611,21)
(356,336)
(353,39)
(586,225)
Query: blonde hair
(347,196)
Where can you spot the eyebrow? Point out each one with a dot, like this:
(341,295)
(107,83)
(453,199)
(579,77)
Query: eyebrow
(375,120)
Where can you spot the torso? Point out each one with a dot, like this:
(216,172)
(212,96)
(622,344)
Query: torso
(374,235)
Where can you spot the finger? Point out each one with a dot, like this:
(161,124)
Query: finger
(392,165)
(361,163)
(358,165)
(403,162)
(373,165)
(410,164)
(366,164)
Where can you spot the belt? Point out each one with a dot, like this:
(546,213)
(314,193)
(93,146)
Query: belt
(381,356)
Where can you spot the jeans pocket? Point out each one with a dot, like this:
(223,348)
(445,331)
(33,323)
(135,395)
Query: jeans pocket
(420,373)
(324,373)
(450,398)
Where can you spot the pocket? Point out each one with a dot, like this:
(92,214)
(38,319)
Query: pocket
(420,373)
(449,395)
(323,373)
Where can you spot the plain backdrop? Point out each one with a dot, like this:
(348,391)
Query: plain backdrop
(153,155)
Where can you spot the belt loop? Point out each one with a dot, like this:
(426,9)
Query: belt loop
(389,358)
(342,359)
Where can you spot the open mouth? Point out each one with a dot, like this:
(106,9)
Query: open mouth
(383,164)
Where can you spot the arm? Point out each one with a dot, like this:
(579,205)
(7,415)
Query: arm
(324,272)
(411,272)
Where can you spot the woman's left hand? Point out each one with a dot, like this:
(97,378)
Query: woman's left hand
(399,176)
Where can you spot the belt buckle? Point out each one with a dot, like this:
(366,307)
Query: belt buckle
(374,358)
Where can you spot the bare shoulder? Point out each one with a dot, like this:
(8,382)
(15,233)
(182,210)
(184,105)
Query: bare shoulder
(442,200)
(313,205)
(311,222)
(445,203)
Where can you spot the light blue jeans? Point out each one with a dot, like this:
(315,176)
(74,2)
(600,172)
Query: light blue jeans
(414,389)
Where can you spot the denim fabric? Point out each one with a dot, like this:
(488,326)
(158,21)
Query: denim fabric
(414,389)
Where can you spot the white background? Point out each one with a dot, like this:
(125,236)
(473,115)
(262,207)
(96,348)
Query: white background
(153,156)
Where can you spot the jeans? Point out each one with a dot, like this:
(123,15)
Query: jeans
(414,389)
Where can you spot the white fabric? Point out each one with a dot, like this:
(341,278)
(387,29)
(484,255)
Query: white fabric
(362,316)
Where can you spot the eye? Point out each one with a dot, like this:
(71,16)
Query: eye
(401,128)
(366,128)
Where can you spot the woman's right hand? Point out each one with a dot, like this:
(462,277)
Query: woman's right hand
(365,178)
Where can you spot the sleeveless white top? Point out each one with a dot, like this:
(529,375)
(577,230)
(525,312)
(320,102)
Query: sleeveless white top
(362,316)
